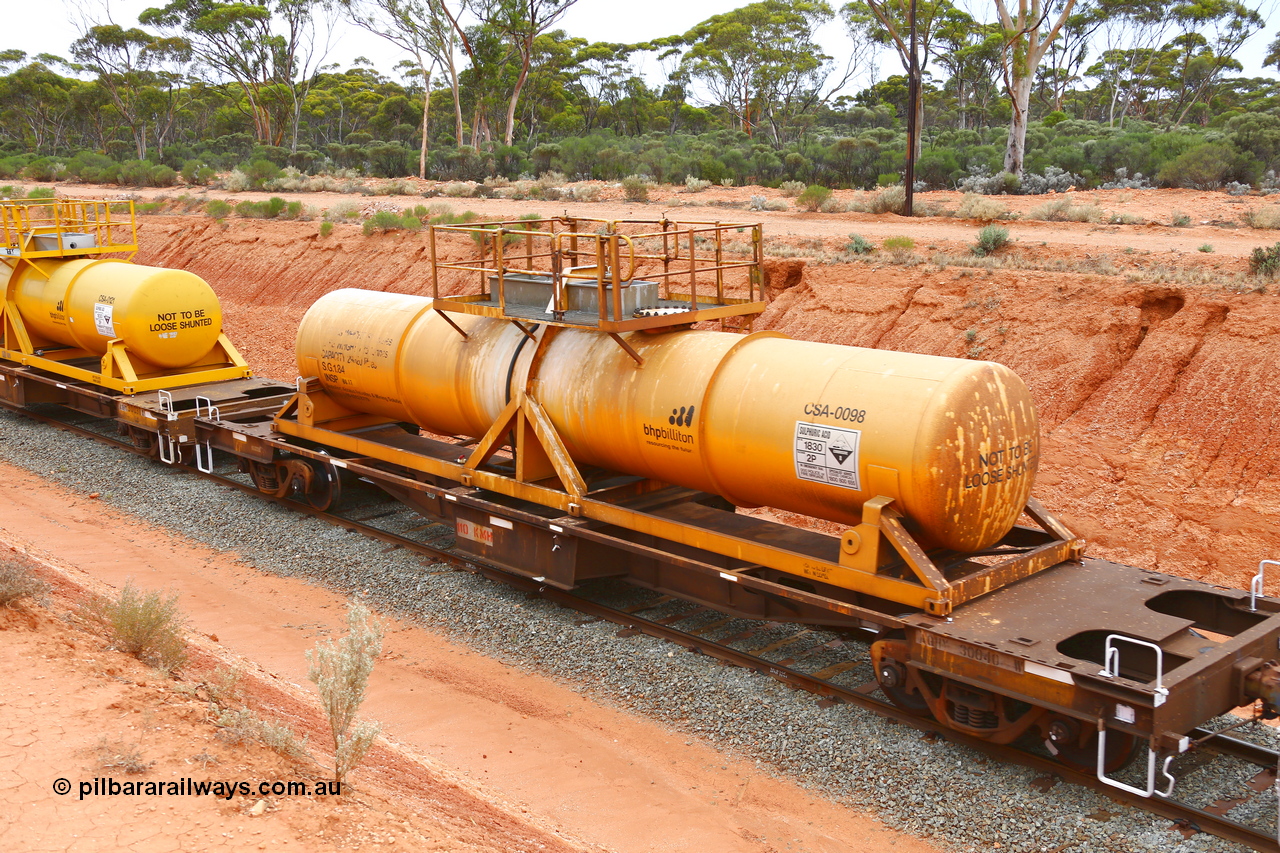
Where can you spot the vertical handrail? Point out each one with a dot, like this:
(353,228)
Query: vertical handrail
(719,264)
(756,276)
(435,270)
(170,455)
(1151,770)
(693,274)
(204,460)
(602,301)
(166,403)
(557,269)
(1255,585)
(500,263)
(615,264)
(666,256)
(1111,661)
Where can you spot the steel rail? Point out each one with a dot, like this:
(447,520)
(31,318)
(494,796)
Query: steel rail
(1181,814)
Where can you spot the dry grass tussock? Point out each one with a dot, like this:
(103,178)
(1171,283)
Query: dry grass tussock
(146,625)
(1266,217)
(17,582)
(237,726)
(1065,210)
(981,208)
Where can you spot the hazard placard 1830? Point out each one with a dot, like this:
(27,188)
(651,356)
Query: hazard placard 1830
(827,454)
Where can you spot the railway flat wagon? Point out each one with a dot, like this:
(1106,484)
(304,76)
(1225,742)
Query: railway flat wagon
(590,402)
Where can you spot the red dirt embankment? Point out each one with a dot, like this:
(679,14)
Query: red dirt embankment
(1161,431)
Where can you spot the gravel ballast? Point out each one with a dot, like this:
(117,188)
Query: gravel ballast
(955,797)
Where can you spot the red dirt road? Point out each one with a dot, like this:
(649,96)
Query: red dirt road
(535,759)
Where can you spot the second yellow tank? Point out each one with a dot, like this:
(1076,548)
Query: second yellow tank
(763,420)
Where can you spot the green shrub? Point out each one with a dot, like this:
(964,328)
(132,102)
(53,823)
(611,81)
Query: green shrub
(326,228)
(938,167)
(899,247)
(636,188)
(145,625)
(217,208)
(1203,167)
(135,173)
(1207,248)
(858,246)
(94,168)
(813,197)
(292,210)
(42,192)
(1265,262)
(149,207)
(269,209)
(161,176)
(260,171)
(383,220)
(191,171)
(1180,220)
(44,169)
(991,239)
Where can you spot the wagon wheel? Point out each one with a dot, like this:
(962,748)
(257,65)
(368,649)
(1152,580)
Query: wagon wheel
(893,677)
(325,488)
(1075,749)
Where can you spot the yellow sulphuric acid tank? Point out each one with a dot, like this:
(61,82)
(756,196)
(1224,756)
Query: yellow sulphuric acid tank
(167,318)
(762,420)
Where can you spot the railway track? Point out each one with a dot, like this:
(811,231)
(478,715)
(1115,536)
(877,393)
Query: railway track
(833,667)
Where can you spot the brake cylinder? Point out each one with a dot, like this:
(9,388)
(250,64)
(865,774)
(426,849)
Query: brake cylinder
(761,419)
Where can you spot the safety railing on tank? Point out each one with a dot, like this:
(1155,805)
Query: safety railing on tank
(47,228)
(612,253)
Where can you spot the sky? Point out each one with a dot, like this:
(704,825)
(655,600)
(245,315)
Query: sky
(50,27)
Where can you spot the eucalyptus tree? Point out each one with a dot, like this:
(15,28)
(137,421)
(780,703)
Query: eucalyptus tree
(135,69)
(1211,33)
(425,30)
(1063,66)
(970,55)
(37,104)
(1029,27)
(888,22)
(519,23)
(760,62)
(271,49)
